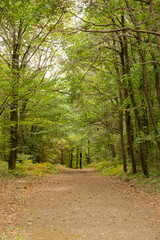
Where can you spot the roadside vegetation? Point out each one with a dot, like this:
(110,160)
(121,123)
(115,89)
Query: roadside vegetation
(110,168)
(27,168)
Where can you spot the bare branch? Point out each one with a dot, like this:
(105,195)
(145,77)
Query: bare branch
(119,30)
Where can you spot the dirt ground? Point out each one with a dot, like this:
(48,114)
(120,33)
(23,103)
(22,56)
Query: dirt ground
(77,205)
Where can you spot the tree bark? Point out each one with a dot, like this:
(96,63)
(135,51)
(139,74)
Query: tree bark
(71,159)
(21,127)
(77,157)
(13,136)
(125,70)
(138,119)
(121,128)
(62,157)
(155,23)
(123,153)
(88,153)
(155,62)
(80,159)
(14,105)
(113,151)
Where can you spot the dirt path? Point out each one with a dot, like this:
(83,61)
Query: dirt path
(77,205)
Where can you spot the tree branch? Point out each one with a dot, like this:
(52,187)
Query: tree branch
(119,30)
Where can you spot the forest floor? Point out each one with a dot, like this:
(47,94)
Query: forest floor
(77,205)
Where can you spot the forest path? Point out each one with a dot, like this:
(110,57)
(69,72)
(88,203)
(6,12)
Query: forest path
(79,204)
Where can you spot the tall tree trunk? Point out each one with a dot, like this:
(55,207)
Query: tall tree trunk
(130,141)
(77,157)
(131,94)
(155,62)
(121,128)
(13,136)
(14,106)
(62,157)
(155,23)
(33,128)
(71,159)
(88,153)
(80,158)
(140,129)
(127,112)
(157,79)
(21,126)
(145,124)
(144,73)
(113,151)
(123,153)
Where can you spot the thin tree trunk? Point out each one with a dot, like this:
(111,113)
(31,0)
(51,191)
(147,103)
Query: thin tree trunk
(71,159)
(121,128)
(127,112)
(80,159)
(155,23)
(157,79)
(129,140)
(88,153)
(77,157)
(138,119)
(113,151)
(122,142)
(62,157)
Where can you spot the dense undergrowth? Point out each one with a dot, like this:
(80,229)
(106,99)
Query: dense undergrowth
(28,168)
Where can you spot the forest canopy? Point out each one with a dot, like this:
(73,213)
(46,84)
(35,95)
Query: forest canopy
(80,83)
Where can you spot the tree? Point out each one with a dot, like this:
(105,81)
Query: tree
(25,29)
(109,24)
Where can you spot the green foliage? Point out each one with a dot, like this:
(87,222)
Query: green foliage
(111,168)
(152,183)
(71,86)
(27,168)
(144,137)
(3,169)
(24,157)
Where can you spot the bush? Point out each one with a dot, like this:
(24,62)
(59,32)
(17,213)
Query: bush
(108,167)
(28,168)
